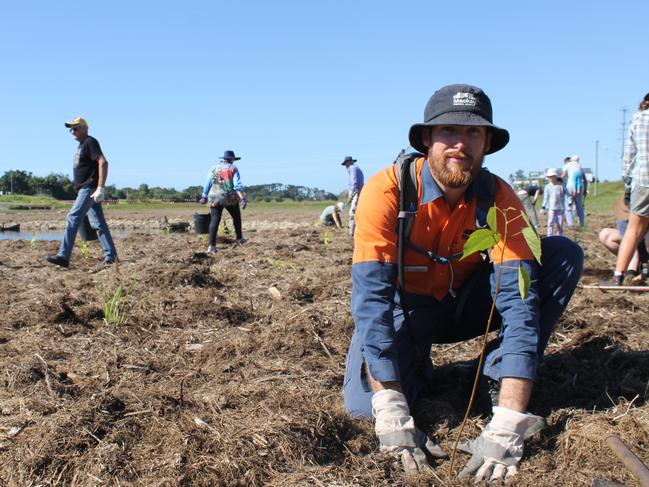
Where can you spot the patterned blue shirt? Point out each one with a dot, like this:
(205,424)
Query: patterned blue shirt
(636,151)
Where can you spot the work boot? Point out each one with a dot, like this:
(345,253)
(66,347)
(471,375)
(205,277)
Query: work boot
(241,241)
(211,249)
(613,281)
(634,278)
(57,260)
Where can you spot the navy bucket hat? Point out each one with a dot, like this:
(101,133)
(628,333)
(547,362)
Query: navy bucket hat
(228,155)
(348,159)
(459,104)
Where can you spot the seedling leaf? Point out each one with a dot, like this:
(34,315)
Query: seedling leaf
(523,282)
(491,219)
(480,240)
(533,242)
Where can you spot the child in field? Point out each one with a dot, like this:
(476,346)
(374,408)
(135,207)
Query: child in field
(553,201)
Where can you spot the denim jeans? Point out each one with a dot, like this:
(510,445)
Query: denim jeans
(83,205)
(449,322)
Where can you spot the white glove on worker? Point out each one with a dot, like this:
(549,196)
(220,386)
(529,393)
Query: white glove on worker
(99,194)
(497,451)
(397,433)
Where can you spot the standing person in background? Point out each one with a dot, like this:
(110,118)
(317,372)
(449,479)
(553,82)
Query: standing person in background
(529,195)
(355,184)
(573,176)
(553,201)
(635,173)
(223,189)
(90,173)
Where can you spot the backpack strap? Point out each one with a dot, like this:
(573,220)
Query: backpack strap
(484,187)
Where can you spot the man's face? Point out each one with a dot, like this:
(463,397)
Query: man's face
(79,132)
(456,152)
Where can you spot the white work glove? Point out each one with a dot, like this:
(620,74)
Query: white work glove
(497,451)
(99,194)
(397,433)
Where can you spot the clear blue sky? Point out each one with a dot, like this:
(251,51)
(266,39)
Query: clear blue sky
(294,86)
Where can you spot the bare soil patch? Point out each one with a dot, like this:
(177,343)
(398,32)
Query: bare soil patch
(229,368)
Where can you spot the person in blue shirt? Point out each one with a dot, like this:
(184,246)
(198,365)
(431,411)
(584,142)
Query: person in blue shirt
(575,180)
(355,184)
(223,190)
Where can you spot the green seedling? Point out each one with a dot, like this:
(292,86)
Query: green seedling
(484,239)
(282,265)
(114,306)
(326,239)
(226,229)
(203,239)
(84,247)
(32,242)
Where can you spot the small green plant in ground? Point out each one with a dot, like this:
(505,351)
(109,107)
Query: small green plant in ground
(282,264)
(326,239)
(32,242)
(484,239)
(114,305)
(84,247)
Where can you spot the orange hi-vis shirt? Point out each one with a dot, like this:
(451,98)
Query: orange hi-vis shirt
(436,228)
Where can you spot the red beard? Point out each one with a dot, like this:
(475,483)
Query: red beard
(454,176)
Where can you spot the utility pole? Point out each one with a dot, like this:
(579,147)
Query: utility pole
(596,166)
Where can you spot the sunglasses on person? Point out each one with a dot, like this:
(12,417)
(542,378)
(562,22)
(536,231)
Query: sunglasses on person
(74,129)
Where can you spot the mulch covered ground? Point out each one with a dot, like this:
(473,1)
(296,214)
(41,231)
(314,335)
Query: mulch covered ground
(228,368)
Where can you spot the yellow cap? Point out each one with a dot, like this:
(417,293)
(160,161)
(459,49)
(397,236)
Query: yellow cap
(76,122)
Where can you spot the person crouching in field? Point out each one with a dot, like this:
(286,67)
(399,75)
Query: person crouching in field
(398,318)
(553,201)
(612,237)
(332,215)
(223,189)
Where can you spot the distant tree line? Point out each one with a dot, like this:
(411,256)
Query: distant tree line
(60,186)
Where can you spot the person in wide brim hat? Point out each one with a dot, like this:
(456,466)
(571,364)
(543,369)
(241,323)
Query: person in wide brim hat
(228,155)
(459,104)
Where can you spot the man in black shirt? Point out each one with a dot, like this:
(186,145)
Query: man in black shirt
(90,172)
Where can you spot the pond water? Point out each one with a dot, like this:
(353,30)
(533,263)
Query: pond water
(45,235)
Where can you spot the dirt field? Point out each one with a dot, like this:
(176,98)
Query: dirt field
(229,368)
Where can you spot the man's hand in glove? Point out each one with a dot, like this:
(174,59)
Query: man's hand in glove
(202,201)
(99,194)
(243,202)
(497,451)
(397,433)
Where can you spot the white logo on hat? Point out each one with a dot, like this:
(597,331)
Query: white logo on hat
(464,99)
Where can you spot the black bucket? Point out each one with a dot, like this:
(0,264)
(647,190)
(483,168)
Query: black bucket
(202,223)
(86,232)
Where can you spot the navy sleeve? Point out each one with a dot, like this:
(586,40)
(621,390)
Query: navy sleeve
(520,320)
(373,289)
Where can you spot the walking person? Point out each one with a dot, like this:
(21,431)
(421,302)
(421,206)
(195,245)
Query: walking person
(635,174)
(575,181)
(553,202)
(388,362)
(90,171)
(223,190)
(354,185)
